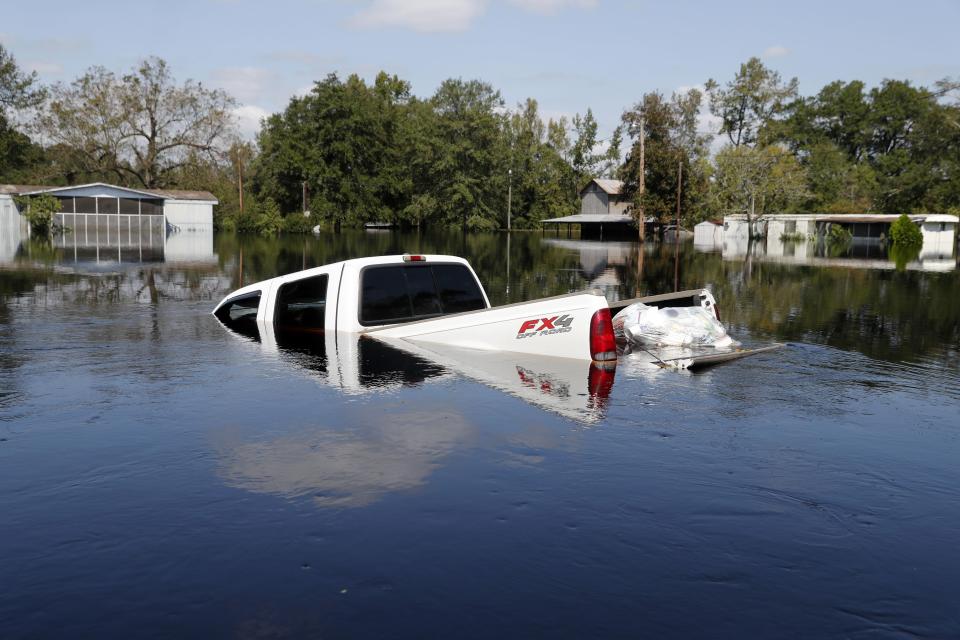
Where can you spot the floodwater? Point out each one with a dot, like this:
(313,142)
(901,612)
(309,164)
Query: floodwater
(161,476)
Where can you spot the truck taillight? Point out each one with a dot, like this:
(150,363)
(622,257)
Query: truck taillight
(603,345)
(410,258)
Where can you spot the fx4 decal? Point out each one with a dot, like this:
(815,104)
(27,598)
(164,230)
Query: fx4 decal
(545,326)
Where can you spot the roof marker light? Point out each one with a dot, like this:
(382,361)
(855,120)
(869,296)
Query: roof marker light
(412,258)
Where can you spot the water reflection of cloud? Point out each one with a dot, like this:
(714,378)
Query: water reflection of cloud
(350,468)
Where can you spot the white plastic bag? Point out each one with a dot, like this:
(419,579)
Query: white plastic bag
(670,327)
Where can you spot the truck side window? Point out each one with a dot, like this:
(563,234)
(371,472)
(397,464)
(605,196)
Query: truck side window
(302,303)
(403,293)
(240,310)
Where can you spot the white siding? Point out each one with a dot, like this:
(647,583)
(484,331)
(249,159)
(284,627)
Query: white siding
(707,233)
(189,214)
(12,231)
(938,239)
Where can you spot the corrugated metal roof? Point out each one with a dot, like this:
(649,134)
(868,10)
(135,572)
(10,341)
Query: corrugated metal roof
(593,217)
(612,187)
(170,194)
(870,217)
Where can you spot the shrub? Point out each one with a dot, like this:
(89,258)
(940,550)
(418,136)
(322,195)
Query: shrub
(904,233)
(298,223)
(39,210)
(269,220)
(839,235)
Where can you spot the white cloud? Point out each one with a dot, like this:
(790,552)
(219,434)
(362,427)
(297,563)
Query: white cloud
(421,15)
(547,7)
(248,119)
(776,51)
(45,68)
(448,15)
(247,84)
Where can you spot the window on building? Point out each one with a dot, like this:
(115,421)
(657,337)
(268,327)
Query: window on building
(403,293)
(790,226)
(129,206)
(302,303)
(107,205)
(151,207)
(86,205)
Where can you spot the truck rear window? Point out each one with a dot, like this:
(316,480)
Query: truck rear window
(402,293)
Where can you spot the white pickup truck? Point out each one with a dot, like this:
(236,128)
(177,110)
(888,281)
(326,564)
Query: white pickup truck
(434,299)
(427,299)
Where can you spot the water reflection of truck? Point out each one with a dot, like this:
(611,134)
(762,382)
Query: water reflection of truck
(359,365)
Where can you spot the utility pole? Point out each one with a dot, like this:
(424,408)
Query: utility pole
(509,195)
(679,182)
(239,177)
(676,232)
(642,221)
(304,197)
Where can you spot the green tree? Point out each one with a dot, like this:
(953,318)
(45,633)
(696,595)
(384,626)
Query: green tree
(463,174)
(543,183)
(587,157)
(904,233)
(757,181)
(675,151)
(895,147)
(346,141)
(749,102)
(39,210)
(18,92)
(142,128)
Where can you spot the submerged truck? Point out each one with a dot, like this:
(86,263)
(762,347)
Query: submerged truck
(427,299)
(434,300)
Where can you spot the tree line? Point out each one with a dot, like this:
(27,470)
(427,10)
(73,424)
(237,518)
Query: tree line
(352,151)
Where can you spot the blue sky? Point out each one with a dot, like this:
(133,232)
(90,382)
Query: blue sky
(567,54)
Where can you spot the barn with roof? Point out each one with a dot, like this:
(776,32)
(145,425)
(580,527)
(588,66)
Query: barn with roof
(603,211)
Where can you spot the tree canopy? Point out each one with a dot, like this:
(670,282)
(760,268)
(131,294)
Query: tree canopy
(141,127)
(355,150)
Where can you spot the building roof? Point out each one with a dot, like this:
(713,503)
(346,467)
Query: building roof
(868,217)
(942,217)
(593,217)
(612,187)
(167,194)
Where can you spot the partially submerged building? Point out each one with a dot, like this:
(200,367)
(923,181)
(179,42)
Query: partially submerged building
(939,230)
(603,211)
(100,217)
(708,233)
